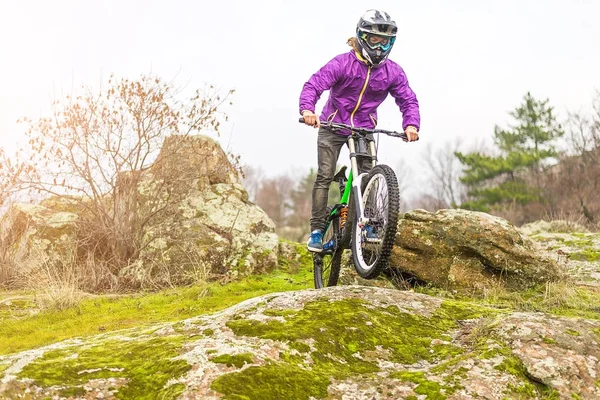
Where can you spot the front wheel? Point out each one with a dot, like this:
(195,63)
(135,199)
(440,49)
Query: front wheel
(372,244)
(327,264)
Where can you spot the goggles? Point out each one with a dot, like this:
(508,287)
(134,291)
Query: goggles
(377,41)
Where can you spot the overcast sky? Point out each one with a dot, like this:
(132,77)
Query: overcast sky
(469,61)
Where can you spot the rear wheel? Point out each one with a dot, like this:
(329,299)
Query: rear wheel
(328,262)
(372,245)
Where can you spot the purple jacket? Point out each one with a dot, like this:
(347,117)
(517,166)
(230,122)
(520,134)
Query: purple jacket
(357,90)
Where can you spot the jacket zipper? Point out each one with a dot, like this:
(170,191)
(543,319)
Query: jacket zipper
(362,92)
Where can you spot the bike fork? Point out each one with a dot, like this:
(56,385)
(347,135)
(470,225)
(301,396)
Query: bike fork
(357,180)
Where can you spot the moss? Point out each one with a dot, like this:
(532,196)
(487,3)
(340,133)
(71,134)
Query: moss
(3,367)
(301,347)
(337,327)
(589,255)
(146,364)
(113,313)
(572,332)
(341,344)
(514,366)
(298,259)
(548,340)
(208,332)
(581,243)
(237,360)
(272,381)
(18,308)
(242,262)
(558,298)
(424,386)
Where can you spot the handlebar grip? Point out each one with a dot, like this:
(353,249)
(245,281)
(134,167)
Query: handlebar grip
(301,120)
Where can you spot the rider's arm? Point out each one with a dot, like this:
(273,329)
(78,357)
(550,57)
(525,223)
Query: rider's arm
(322,80)
(406,100)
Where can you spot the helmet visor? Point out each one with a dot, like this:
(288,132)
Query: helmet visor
(377,41)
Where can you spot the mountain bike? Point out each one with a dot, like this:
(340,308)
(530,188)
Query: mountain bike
(366,217)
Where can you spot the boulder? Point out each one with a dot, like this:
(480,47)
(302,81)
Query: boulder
(459,249)
(208,226)
(36,235)
(337,343)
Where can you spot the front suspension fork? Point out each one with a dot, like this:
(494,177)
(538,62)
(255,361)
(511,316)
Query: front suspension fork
(357,180)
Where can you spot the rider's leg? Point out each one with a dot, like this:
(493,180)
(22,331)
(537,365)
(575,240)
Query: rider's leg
(329,145)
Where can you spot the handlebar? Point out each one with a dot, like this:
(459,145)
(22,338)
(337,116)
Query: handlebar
(335,126)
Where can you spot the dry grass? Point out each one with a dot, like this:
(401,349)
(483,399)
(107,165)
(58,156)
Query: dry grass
(56,284)
(5,275)
(563,297)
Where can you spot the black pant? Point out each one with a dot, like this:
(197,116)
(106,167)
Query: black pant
(329,146)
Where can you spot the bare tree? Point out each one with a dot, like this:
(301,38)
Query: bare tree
(404,173)
(253,178)
(443,174)
(572,185)
(274,198)
(93,148)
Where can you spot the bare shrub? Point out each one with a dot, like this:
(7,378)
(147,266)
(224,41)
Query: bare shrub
(97,149)
(56,283)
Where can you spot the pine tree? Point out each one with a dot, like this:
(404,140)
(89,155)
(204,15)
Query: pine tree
(525,149)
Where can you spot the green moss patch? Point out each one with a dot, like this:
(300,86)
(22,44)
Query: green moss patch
(424,386)
(146,364)
(589,255)
(3,367)
(17,308)
(344,333)
(272,382)
(105,314)
(548,340)
(512,365)
(298,259)
(237,360)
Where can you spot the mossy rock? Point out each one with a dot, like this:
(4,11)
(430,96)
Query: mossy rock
(469,251)
(357,342)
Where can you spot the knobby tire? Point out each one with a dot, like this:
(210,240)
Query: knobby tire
(327,264)
(371,269)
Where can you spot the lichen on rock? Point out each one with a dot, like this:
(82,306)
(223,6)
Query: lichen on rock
(336,343)
(459,249)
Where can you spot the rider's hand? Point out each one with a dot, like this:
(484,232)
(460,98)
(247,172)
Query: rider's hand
(311,119)
(411,133)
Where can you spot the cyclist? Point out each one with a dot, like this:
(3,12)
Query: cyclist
(359,81)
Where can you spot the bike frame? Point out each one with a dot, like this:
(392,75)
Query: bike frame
(356,184)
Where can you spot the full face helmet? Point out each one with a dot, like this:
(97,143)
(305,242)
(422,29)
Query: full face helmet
(375,35)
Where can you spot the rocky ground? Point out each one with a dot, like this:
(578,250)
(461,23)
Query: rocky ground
(347,342)
(340,343)
(577,251)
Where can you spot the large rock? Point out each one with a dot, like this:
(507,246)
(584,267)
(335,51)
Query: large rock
(459,249)
(578,251)
(209,227)
(36,235)
(336,343)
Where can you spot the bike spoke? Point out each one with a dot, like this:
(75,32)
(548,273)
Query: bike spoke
(376,200)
